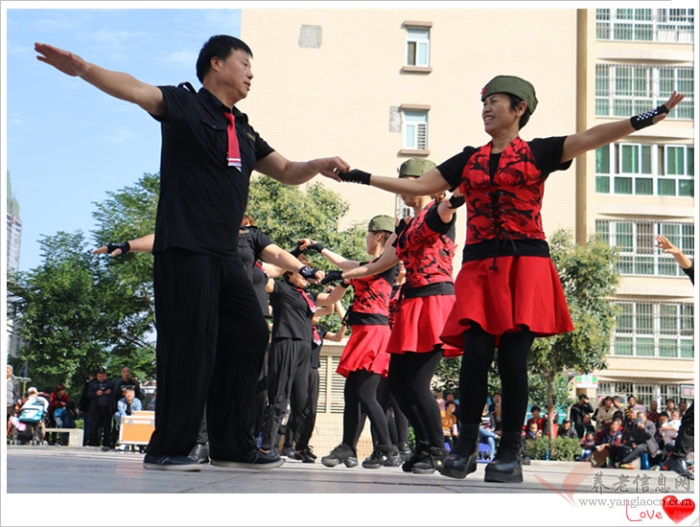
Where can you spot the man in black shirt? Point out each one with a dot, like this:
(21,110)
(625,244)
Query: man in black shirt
(211,333)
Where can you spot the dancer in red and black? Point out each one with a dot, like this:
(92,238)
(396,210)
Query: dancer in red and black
(508,291)
(426,246)
(364,360)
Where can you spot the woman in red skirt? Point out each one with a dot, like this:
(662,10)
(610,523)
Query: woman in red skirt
(426,245)
(508,291)
(364,360)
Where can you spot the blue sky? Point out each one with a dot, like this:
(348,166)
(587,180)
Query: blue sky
(67,143)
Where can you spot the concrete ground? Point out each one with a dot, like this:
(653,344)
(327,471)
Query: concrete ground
(57,470)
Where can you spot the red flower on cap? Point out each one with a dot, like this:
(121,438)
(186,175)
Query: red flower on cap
(483,91)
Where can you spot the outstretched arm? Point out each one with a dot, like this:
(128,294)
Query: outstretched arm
(385,261)
(139,245)
(334,258)
(276,166)
(671,249)
(277,256)
(120,85)
(432,182)
(603,134)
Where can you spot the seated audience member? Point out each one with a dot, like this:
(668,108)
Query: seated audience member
(653,412)
(603,415)
(585,426)
(440,400)
(35,399)
(449,423)
(127,405)
(536,418)
(532,431)
(639,441)
(587,446)
(607,441)
(486,435)
(151,407)
(495,399)
(669,431)
(566,430)
(496,419)
(57,403)
(450,396)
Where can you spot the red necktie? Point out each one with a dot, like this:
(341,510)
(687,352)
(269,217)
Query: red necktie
(310,302)
(234,153)
(317,338)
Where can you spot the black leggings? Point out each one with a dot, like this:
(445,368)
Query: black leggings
(513,352)
(409,380)
(361,397)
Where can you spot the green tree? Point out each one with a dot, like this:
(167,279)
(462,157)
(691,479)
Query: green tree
(74,315)
(589,278)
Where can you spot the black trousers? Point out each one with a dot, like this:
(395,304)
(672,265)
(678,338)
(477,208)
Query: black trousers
(210,346)
(288,367)
(299,430)
(101,422)
(686,434)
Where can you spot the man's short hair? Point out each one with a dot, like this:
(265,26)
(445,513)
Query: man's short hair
(129,389)
(11,368)
(220,46)
(582,396)
(101,369)
(535,408)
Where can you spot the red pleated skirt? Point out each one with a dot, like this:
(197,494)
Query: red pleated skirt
(523,291)
(419,324)
(366,350)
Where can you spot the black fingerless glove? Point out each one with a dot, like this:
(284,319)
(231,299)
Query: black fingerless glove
(455,202)
(296,251)
(332,276)
(316,246)
(124,246)
(307,272)
(644,119)
(355,176)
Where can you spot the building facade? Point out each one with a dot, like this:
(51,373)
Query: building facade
(379,86)
(14,238)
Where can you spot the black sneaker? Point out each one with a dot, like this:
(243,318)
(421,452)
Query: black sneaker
(200,453)
(178,463)
(340,454)
(309,450)
(430,462)
(418,454)
(254,459)
(405,451)
(306,456)
(289,452)
(376,460)
(383,456)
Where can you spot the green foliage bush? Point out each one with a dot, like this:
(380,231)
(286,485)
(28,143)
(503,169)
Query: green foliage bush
(564,448)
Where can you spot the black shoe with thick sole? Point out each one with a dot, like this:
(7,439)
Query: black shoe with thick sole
(254,460)
(340,454)
(458,466)
(174,463)
(200,453)
(432,461)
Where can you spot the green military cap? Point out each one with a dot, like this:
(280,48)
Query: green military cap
(415,167)
(510,84)
(381,223)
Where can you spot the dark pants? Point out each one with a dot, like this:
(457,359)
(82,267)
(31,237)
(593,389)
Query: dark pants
(88,425)
(210,346)
(360,394)
(300,429)
(635,452)
(101,422)
(686,434)
(513,352)
(287,380)
(409,379)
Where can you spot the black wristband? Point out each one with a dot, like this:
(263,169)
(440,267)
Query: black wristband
(455,202)
(644,119)
(344,284)
(332,276)
(316,246)
(124,246)
(296,251)
(355,176)
(307,272)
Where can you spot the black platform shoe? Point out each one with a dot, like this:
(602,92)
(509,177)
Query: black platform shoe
(506,466)
(462,460)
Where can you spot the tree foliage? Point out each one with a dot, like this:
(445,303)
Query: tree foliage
(589,278)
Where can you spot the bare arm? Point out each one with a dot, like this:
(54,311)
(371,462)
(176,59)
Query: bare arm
(334,258)
(603,134)
(120,85)
(671,249)
(326,299)
(288,172)
(428,184)
(387,260)
(337,337)
(279,257)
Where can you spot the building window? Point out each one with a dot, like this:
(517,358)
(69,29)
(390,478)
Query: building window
(654,329)
(646,25)
(415,130)
(645,393)
(624,90)
(645,170)
(418,46)
(636,246)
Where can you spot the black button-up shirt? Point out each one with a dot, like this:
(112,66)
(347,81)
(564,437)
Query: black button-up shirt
(202,199)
